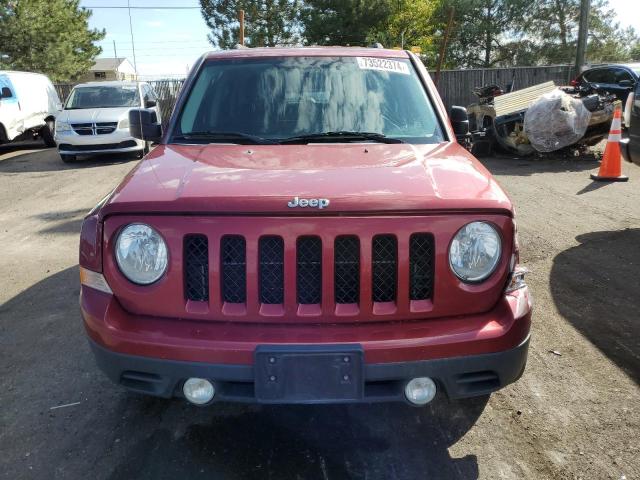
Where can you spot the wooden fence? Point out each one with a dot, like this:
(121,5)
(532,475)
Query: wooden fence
(455,86)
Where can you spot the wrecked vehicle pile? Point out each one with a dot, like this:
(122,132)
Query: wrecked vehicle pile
(542,118)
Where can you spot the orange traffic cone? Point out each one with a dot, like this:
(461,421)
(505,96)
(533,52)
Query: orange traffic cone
(611,166)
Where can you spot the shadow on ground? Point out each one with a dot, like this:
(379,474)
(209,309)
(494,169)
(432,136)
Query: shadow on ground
(112,434)
(65,223)
(21,146)
(526,166)
(309,442)
(33,157)
(595,286)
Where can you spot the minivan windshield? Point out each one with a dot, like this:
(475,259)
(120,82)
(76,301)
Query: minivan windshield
(99,96)
(308,99)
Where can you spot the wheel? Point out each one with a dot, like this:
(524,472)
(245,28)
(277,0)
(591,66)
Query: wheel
(140,154)
(147,148)
(483,148)
(47,133)
(67,158)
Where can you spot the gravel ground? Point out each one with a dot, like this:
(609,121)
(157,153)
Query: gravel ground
(574,414)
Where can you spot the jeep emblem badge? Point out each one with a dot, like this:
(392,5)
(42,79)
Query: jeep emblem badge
(309,202)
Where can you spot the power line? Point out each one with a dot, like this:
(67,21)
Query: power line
(143,8)
(164,42)
(160,49)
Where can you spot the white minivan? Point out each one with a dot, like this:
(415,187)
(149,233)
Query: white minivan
(95,119)
(29,105)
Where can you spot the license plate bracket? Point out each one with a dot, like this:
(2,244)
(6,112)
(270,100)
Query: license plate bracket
(308,373)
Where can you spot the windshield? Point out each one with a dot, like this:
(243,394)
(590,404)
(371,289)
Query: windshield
(103,97)
(281,98)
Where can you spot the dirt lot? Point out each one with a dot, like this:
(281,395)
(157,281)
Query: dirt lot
(574,414)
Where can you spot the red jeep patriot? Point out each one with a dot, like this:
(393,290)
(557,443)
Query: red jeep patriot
(307,231)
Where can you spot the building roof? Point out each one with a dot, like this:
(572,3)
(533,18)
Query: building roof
(107,63)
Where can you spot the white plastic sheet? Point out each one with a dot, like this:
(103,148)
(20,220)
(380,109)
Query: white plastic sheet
(555,120)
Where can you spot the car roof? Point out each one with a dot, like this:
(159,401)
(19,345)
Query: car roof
(631,66)
(243,52)
(112,83)
(18,72)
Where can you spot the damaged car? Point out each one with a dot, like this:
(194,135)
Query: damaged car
(541,118)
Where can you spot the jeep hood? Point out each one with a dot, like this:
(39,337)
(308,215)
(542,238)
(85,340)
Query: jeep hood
(263,179)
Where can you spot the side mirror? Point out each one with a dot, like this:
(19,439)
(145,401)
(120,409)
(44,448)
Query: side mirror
(143,125)
(150,104)
(6,93)
(625,83)
(459,121)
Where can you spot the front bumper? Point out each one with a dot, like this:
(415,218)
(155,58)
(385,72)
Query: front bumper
(459,377)
(466,356)
(120,141)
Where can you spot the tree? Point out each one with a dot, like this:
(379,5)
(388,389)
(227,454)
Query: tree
(554,25)
(47,36)
(634,50)
(268,23)
(344,22)
(486,32)
(413,23)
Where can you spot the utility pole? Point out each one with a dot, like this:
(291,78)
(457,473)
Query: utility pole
(583,33)
(115,58)
(443,47)
(241,20)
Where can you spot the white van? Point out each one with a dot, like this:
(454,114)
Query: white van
(95,119)
(29,105)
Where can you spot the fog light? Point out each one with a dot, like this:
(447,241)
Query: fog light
(420,391)
(198,390)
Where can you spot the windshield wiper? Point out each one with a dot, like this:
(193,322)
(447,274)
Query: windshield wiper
(235,137)
(341,135)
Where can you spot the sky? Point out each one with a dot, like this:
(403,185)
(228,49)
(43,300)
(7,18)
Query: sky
(168,41)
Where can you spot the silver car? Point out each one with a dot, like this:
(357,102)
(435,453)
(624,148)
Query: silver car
(95,119)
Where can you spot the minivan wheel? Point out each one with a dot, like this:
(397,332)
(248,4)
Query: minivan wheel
(67,158)
(47,133)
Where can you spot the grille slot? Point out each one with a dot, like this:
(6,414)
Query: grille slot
(347,269)
(384,268)
(309,270)
(196,268)
(99,128)
(271,258)
(103,128)
(233,253)
(421,253)
(83,128)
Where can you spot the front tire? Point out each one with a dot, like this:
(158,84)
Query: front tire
(67,158)
(146,149)
(47,133)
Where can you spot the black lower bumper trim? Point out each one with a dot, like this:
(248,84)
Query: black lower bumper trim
(66,147)
(459,377)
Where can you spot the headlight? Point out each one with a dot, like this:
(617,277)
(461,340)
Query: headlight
(62,127)
(475,252)
(124,124)
(141,254)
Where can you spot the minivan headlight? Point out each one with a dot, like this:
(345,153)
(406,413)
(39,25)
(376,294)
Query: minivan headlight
(62,126)
(123,124)
(141,253)
(475,252)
